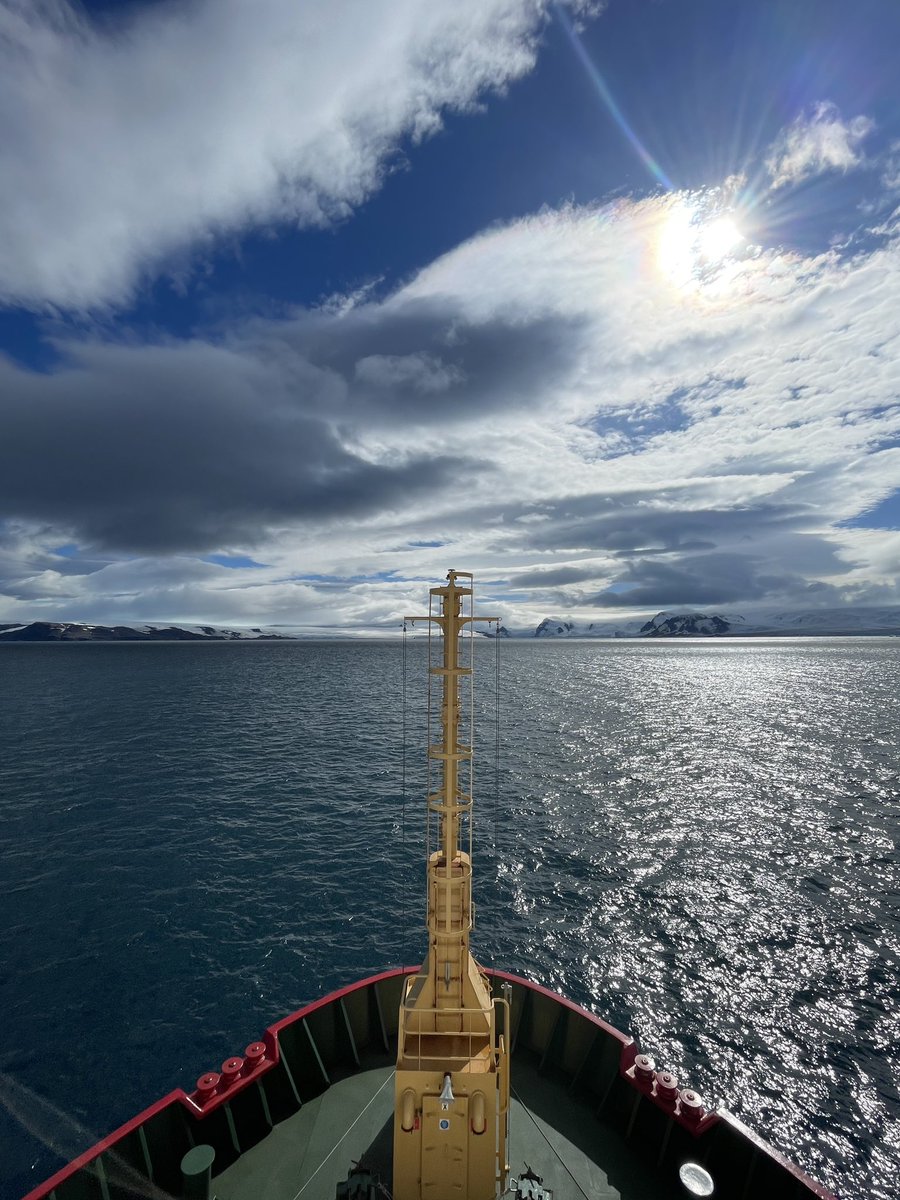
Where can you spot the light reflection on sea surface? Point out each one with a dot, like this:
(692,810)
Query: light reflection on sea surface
(717,872)
(697,840)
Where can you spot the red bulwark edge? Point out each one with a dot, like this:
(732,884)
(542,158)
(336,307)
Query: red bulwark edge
(191,1102)
(202,1102)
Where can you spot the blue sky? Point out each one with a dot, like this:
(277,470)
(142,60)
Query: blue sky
(302,303)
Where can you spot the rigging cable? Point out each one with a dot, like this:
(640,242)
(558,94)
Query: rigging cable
(429,761)
(496,729)
(403,748)
(471,734)
(353,1123)
(565,1165)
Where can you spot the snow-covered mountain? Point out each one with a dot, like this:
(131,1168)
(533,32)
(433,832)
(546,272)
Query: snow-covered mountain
(783,623)
(557,627)
(692,625)
(813,623)
(70,631)
(825,621)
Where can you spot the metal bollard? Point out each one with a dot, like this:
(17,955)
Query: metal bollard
(196,1173)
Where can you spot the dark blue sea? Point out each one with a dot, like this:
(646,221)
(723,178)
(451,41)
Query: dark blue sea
(696,840)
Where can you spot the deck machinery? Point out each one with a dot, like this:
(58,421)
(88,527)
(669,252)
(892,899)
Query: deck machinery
(452,1083)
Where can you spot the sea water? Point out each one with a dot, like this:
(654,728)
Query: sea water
(695,840)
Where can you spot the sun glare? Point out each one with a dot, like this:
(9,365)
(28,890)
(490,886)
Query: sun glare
(717,238)
(691,246)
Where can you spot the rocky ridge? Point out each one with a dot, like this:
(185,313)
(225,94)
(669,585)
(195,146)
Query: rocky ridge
(73,631)
(832,622)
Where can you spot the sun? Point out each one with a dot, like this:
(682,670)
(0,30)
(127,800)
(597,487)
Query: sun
(692,245)
(717,238)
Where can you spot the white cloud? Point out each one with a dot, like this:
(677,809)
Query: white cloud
(890,172)
(546,395)
(818,142)
(139,139)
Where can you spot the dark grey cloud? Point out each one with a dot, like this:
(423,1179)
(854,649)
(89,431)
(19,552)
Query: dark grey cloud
(673,557)
(707,580)
(704,579)
(648,523)
(185,448)
(645,523)
(553,577)
(422,361)
(190,446)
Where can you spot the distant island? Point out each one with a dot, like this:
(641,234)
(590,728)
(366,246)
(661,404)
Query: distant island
(834,622)
(72,631)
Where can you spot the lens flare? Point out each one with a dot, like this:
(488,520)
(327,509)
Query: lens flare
(609,100)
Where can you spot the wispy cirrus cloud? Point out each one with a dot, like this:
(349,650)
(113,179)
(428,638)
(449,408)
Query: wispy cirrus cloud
(145,136)
(818,141)
(890,177)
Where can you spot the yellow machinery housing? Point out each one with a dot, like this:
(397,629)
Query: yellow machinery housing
(452,1088)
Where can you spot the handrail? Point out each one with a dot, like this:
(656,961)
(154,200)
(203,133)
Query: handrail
(414,1026)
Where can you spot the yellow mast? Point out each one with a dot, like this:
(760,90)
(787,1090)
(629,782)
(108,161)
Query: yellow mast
(452,1085)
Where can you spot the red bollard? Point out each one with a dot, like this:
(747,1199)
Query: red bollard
(253,1056)
(207,1086)
(666,1088)
(691,1105)
(644,1070)
(231,1070)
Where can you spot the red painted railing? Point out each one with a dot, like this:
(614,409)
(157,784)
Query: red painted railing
(214,1088)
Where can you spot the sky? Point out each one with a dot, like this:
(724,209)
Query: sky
(303,302)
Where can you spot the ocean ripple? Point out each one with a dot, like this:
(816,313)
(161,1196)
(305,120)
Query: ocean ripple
(698,841)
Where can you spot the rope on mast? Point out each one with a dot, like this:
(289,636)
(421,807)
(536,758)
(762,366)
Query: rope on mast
(428,768)
(403,748)
(471,737)
(496,729)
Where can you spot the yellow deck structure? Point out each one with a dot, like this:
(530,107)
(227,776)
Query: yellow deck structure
(452,1083)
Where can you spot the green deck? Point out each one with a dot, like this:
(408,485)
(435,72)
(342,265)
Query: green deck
(309,1153)
(326,1100)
